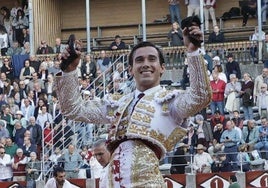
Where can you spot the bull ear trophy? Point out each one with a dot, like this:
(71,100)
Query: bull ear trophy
(192,21)
(71,50)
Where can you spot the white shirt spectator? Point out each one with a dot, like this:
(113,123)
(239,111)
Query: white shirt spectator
(5,167)
(51,183)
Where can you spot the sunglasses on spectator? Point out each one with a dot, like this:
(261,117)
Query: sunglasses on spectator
(2,153)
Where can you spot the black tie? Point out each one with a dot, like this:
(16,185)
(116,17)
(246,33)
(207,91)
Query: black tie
(138,99)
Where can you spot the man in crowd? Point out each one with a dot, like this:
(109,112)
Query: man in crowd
(250,135)
(230,137)
(58,179)
(101,153)
(262,143)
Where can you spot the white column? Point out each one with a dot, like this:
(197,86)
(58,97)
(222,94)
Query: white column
(88,24)
(143,7)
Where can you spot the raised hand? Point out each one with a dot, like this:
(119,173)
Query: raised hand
(192,35)
(71,56)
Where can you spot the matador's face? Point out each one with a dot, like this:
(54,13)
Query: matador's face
(146,68)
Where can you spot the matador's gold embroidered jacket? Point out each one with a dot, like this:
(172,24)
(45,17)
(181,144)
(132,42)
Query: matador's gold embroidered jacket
(157,116)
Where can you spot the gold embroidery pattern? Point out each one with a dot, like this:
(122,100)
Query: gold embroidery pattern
(145,168)
(169,142)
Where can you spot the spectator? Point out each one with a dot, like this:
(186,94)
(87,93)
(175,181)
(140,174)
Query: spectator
(59,47)
(25,36)
(175,35)
(254,48)
(101,153)
(47,63)
(36,81)
(26,72)
(216,61)
(28,146)
(204,132)
(14,50)
(221,163)
(249,8)
(230,137)
(216,143)
(191,138)
(232,93)
(118,44)
(265,52)
(258,81)
(119,78)
(103,63)
(5,166)
(39,93)
(44,48)
(202,160)
(43,117)
(26,49)
(33,168)
(27,109)
(72,162)
(55,68)
(264,7)
(238,121)
(10,147)
(19,134)
(262,101)
(18,164)
(19,23)
(179,162)
(7,19)
(193,7)
(218,69)
(262,143)
(58,179)
(8,69)
(19,117)
(7,117)
(54,108)
(174,10)
(218,88)
(48,137)
(246,94)
(34,62)
(233,182)
(232,67)
(49,86)
(88,68)
(216,36)
(36,131)
(209,9)
(15,8)
(54,157)
(216,119)
(3,40)
(250,135)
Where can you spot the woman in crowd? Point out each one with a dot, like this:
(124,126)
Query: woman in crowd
(26,72)
(7,19)
(8,69)
(19,23)
(3,40)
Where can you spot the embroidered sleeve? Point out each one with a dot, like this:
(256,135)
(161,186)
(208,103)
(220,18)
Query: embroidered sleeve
(72,104)
(198,96)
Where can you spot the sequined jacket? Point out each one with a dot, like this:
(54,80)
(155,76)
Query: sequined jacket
(156,117)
